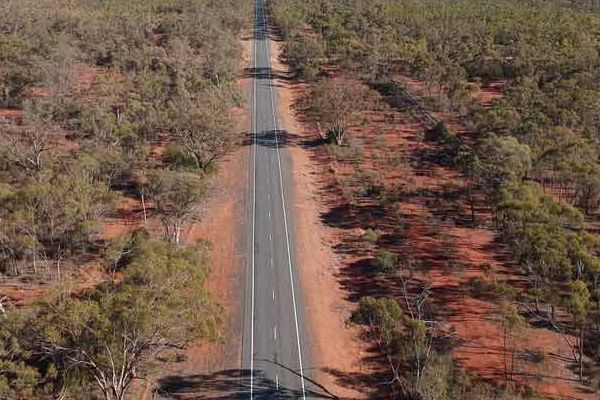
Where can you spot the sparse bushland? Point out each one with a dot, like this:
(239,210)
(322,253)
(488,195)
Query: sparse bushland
(100,340)
(108,83)
(108,103)
(549,100)
(531,154)
(416,354)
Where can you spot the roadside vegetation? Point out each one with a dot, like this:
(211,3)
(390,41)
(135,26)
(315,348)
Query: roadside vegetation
(530,158)
(108,108)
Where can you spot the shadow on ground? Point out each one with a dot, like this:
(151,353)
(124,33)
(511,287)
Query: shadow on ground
(233,384)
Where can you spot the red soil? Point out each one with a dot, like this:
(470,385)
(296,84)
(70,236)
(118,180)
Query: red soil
(40,91)
(476,321)
(490,92)
(86,78)
(86,277)
(20,294)
(10,113)
(484,94)
(128,217)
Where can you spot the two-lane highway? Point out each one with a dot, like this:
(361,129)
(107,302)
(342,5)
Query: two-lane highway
(274,338)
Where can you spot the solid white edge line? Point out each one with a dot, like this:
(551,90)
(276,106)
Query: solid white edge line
(253,200)
(284,213)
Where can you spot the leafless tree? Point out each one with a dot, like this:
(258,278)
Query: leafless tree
(26,150)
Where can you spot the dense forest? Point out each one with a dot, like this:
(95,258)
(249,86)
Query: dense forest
(531,156)
(104,104)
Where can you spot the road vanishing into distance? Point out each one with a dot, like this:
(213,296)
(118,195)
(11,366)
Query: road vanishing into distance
(274,341)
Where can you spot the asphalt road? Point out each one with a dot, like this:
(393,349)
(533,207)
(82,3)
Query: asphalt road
(274,343)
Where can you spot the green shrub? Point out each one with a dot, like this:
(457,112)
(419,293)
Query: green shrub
(97,121)
(178,158)
(385,262)
(496,290)
(372,311)
(372,235)
(535,356)
(449,144)
(398,161)
(344,153)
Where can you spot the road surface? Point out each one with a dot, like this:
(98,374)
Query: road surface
(274,345)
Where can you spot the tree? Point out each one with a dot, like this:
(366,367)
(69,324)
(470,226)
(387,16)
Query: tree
(512,323)
(579,303)
(118,253)
(305,55)
(106,336)
(505,159)
(472,166)
(177,197)
(534,226)
(406,339)
(204,129)
(499,119)
(381,319)
(26,150)
(17,379)
(335,106)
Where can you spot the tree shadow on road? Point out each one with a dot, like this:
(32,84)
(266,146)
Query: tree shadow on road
(271,138)
(233,384)
(266,73)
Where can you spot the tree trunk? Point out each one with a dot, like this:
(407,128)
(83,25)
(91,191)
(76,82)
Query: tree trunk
(472,203)
(177,233)
(512,355)
(144,209)
(35,259)
(504,355)
(581,338)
